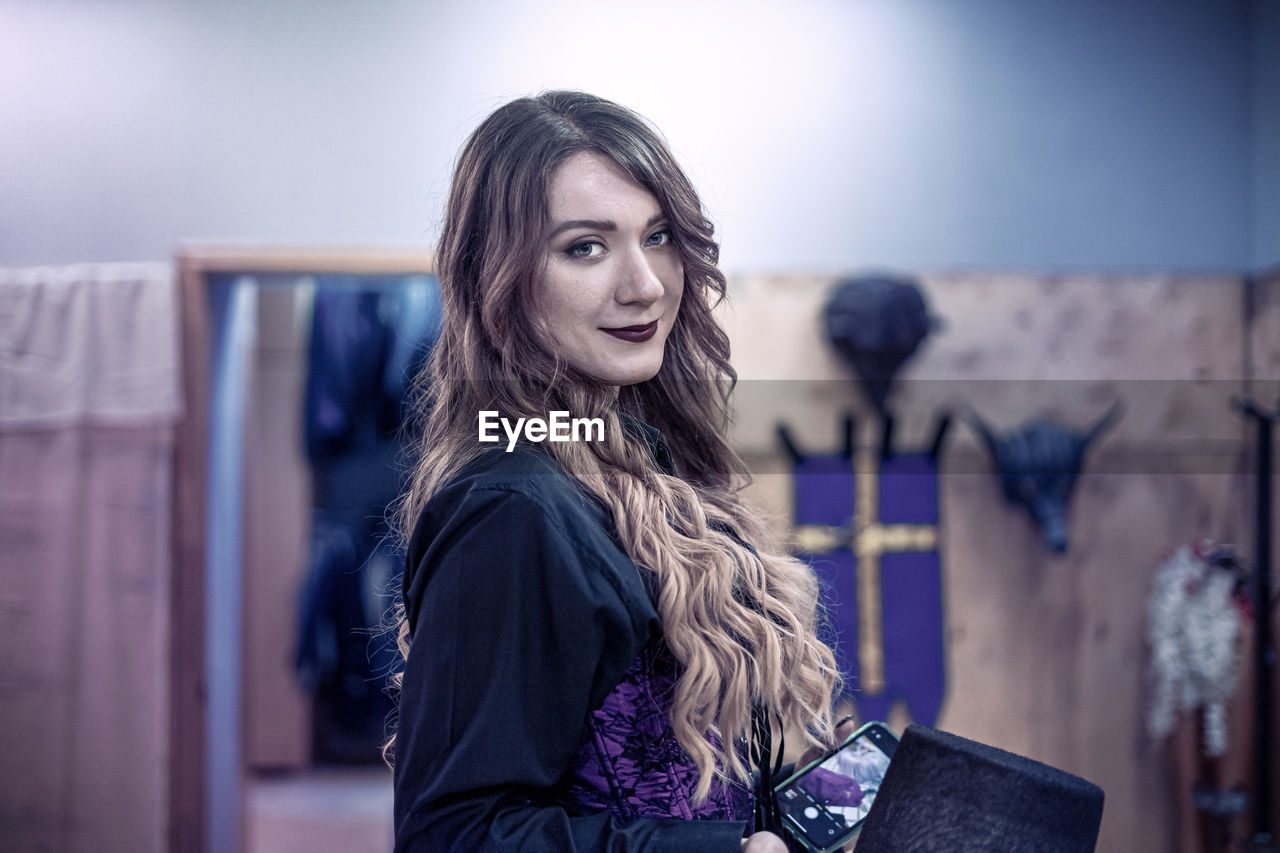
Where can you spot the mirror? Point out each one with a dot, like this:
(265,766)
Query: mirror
(298,369)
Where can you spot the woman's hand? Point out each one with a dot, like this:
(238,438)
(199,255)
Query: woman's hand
(763,842)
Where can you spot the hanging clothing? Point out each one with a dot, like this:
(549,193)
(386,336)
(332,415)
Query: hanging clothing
(369,337)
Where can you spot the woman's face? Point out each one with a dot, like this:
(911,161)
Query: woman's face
(610,286)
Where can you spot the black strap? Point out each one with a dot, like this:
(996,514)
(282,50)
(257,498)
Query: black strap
(769,768)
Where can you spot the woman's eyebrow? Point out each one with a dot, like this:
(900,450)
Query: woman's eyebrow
(593,224)
(600,224)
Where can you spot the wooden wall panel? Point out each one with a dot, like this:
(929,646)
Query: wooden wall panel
(1046,654)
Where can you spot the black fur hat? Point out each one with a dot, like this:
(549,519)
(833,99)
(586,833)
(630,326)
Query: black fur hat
(876,323)
(945,793)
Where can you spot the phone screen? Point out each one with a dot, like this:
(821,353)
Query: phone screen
(825,803)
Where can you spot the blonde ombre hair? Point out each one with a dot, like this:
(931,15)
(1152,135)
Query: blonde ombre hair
(741,625)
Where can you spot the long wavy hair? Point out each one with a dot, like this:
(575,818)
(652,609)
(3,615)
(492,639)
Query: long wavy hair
(741,625)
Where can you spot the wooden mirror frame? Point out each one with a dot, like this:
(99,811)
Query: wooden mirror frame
(188,676)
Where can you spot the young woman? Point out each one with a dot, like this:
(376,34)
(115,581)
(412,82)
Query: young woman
(593,647)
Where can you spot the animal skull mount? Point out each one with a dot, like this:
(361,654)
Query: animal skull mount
(1038,465)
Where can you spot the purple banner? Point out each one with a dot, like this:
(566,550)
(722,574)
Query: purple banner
(869,527)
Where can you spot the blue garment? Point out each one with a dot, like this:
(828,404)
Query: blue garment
(369,336)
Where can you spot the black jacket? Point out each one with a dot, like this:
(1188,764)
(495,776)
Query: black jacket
(525,613)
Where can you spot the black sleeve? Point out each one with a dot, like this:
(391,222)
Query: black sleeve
(519,634)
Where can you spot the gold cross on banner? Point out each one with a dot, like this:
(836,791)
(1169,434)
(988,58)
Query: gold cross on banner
(869,539)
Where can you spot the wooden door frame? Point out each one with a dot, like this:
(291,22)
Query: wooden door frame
(188,678)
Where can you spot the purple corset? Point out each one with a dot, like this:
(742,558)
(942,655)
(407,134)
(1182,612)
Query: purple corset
(629,762)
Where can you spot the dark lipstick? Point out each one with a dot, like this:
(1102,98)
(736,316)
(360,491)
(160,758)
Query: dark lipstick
(635,334)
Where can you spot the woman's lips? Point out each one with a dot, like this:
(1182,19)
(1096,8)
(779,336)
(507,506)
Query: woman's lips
(634,334)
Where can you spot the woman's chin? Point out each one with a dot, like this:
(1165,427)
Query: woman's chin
(629,374)
(634,377)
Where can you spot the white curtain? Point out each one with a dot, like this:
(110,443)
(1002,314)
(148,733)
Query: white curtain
(89,395)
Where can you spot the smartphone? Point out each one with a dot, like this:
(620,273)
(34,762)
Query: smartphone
(824,803)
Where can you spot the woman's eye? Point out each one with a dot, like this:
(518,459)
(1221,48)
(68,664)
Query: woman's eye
(660,238)
(585,249)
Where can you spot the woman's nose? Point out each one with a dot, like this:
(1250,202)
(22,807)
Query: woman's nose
(639,281)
